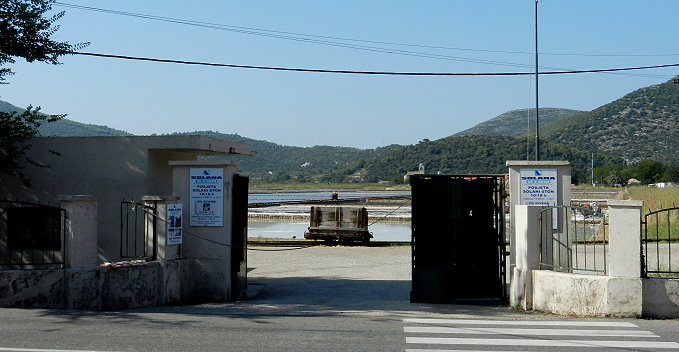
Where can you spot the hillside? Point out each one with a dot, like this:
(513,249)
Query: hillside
(514,123)
(281,163)
(465,155)
(66,127)
(643,124)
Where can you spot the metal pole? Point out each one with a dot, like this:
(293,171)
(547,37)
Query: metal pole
(537,95)
(592,169)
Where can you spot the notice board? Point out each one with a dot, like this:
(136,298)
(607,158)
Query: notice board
(206,196)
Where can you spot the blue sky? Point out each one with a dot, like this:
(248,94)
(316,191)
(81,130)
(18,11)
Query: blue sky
(306,109)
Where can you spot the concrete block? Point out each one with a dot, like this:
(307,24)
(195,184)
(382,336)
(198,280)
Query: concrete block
(570,294)
(624,297)
(205,280)
(170,287)
(130,287)
(660,298)
(82,289)
(586,295)
(31,288)
(518,297)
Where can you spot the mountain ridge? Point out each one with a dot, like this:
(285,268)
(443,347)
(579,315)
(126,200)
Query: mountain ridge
(509,123)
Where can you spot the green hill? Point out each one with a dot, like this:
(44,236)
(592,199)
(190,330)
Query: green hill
(281,163)
(641,125)
(466,155)
(515,123)
(66,127)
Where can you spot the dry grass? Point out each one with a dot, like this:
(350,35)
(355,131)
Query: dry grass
(661,226)
(654,198)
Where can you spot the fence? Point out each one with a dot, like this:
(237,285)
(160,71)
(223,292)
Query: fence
(659,239)
(574,240)
(138,238)
(31,236)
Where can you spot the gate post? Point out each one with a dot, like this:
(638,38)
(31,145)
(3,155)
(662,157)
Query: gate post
(81,230)
(526,241)
(544,183)
(625,289)
(624,218)
(205,188)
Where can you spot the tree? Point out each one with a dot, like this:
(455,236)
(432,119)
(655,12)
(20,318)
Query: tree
(15,129)
(25,32)
(614,179)
(650,171)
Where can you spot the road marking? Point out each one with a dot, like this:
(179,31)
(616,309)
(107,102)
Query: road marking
(530,332)
(540,343)
(522,322)
(10,349)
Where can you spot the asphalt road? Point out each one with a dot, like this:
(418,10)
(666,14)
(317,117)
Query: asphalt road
(327,299)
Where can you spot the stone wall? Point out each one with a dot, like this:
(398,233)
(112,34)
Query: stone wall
(107,288)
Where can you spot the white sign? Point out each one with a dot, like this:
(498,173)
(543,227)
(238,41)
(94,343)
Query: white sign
(174,223)
(207,197)
(538,187)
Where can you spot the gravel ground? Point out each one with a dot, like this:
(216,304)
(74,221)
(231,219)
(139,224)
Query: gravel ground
(350,263)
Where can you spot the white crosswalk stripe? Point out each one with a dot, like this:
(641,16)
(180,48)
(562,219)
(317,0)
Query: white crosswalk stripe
(464,334)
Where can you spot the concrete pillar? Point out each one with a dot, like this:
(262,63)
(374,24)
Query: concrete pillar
(624,257)
(526,240)
(164,251)
(81,230)
(562,169)
(206,223)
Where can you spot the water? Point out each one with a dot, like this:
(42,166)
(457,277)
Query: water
(314,195)
(382,231)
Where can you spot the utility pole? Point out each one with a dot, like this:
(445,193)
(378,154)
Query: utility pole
(593,170)
(537,94)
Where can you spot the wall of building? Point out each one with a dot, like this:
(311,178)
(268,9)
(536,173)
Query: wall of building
(110,169)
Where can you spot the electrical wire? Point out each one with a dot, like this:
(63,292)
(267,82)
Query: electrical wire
(309,38)
(290,35)
(221,243)
(389,73)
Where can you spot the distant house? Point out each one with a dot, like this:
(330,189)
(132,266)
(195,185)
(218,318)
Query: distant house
(420,171)
(664,185)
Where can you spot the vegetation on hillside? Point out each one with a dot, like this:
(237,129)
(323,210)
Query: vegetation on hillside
(645,171)
(516,123)
(463,155)
(641,125)
(279,163)
(635,137)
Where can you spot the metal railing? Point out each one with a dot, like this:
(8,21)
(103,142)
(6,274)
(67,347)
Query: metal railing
(659,241)
(138,238)
(31,236)
(573,240)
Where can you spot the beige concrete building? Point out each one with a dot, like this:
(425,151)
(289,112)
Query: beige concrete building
(110,169)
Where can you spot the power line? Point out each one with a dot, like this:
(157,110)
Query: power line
(388,73)
(303,37)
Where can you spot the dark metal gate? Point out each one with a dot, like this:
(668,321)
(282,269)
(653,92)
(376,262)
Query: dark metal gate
(138,237)
(239,253)
(458,238)
(660,243)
